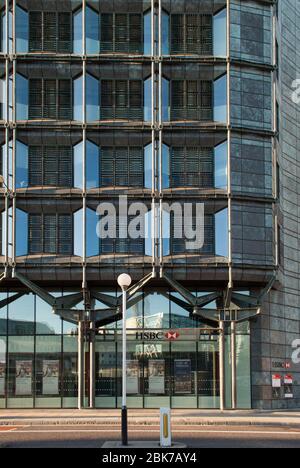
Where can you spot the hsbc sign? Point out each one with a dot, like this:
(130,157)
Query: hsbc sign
(172,336)
(157,336)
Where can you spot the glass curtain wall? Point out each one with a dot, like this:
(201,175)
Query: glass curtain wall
(38,355)
(38,358)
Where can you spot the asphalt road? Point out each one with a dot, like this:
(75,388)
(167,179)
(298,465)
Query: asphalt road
(193,436)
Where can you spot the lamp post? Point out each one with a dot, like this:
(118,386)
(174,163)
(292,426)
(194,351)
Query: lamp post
(124,281)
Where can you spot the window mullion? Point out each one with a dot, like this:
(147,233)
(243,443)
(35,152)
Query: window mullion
(43,165)
(43,31)
(114,32)
(57,32)
(185,33)
(43,232)
(43,99)
(57,232)
(57,100)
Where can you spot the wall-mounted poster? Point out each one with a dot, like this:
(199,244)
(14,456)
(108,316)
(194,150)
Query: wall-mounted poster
(132,377)
(156,376)
(2,378)
(182,376)
(50,377)
(23,378)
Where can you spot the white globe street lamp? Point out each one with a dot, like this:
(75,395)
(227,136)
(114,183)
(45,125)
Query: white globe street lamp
(124,281)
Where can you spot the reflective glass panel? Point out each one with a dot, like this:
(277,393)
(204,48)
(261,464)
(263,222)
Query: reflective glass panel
(165,33)
(21,97)
(221,159)
(92,31)
(22,165)
(22,30)
(148,100)
(148,166)
(21,233)
(92,165)
(78,165)
(221,226)
(147,33)
(219,36)
(220,99)
(77,32)
(77,99)
(47,323)
(92,99)
(21,316)
(156,310)
(92,240)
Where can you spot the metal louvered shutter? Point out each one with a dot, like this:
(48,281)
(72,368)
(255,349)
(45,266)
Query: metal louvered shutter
(136,246)
(192,100)
(35,165)
(206,167)
(177,100)
(35,31)
(136,167)
(51,163)
(107,33)
(35,99)
(177,34)
(64,32)
(135,33)
(121,99)
(177,167)
(206,100)
(107,99)
(192,34)
(35,234)
(135,99)
(179,245)
(49,111)
(50,31)
(50,233)
(121,33)
(192,167)
(121,166)
(209,235)
(65,99)
(206,34)
(65,234)
(128,245)
(65,169)
(107,167)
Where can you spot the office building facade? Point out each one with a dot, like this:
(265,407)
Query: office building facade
(125,108)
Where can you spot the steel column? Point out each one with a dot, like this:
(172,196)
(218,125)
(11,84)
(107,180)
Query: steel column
(222,365)
(233,367)
(80,365)
(81,342)
(229,194)
(7,136)
(92,346)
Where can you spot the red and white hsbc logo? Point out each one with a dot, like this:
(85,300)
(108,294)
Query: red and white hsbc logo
(157,336)
(172,336)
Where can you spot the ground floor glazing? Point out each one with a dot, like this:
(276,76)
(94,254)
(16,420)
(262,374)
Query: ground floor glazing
(39,358)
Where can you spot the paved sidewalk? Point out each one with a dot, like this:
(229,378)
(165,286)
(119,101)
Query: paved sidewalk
(149,417)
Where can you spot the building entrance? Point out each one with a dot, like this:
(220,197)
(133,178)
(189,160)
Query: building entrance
(179,369)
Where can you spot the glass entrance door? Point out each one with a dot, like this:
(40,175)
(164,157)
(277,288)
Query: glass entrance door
(180,374)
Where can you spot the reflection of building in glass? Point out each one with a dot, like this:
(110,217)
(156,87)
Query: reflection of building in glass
(21,327)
